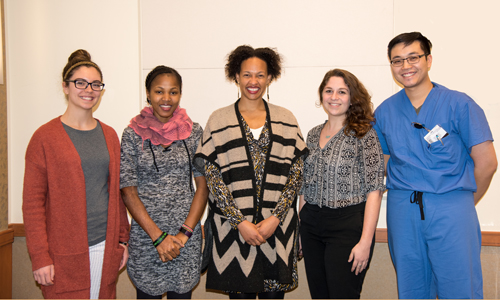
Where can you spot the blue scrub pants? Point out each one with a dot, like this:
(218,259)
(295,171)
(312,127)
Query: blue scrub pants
(438,256)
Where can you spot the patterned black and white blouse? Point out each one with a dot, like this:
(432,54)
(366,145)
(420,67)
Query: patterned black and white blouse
(344,171)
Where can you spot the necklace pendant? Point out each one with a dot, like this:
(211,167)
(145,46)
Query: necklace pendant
(328,136)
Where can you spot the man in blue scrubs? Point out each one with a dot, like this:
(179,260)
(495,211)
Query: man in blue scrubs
(440,161)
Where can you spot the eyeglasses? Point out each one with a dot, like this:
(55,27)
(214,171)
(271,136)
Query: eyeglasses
(83,84)
(410,59)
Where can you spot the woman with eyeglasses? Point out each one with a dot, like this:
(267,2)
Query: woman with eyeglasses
(76,223)
(252,156)
(157,187)
(342,190)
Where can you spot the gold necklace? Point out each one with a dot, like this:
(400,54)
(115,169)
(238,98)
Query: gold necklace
(328,135)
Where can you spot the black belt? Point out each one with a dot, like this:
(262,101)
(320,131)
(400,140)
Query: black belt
(416,197)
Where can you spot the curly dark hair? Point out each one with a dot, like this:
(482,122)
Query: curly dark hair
(234,60)
(359,116)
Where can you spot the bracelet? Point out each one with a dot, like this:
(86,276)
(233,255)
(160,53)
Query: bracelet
(160,239)
(186,232)
(188,228)
(123,243)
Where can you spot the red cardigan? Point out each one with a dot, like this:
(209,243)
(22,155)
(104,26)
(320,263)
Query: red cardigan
(55,213)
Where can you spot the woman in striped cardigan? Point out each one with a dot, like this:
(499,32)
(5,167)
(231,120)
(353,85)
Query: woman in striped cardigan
(251,153)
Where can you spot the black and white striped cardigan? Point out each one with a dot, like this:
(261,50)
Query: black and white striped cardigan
(235,265)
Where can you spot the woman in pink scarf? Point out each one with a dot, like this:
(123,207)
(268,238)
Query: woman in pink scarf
(156,181)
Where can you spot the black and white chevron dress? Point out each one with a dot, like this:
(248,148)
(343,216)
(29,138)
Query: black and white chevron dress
(257,191)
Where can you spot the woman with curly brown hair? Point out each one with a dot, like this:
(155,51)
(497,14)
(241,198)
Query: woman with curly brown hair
(342,190)
(251,153)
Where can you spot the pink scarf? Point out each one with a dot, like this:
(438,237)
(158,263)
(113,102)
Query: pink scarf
(147,126)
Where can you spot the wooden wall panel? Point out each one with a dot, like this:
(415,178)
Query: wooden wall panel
(489,238)
(6,240)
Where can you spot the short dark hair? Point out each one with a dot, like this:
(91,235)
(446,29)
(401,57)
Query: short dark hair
(76,60)
(158,70)
(359,115)
(271,57)
(408,38)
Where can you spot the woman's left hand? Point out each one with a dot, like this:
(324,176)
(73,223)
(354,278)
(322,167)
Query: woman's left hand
(124,257)
(267,227)
(359,257)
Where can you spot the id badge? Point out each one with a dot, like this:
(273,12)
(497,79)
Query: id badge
(436,134)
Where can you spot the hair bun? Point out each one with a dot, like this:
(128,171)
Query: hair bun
(78,56)
(75,60)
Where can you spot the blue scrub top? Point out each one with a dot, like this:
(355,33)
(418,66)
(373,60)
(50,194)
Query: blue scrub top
(437,168)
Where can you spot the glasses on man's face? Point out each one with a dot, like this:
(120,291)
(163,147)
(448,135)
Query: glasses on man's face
(83,84)
(398,62)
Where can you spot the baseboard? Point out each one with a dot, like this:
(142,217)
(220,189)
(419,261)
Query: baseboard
(381,235)
(18,229)
(489,238)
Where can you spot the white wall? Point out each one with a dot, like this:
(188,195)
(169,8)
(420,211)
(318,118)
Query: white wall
(195,36)
(40,35)
(313,36)
(465,39)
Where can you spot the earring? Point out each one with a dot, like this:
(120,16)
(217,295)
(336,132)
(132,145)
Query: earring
(267,93)
(149,101)
(238,86)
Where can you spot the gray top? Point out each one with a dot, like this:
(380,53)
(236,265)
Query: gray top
(93,151)
(166,195)
(344,171)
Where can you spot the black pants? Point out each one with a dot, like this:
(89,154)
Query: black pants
(328,236)
(262,295)
(170,295)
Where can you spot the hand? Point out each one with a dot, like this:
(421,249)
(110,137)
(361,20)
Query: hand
(45,275)
(182,237)
(124,257)
(359,257)
(168,249)
(250,233)
(267,227)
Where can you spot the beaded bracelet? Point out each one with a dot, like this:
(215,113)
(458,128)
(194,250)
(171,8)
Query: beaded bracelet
(185,231)
(188,228)
(160,239)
